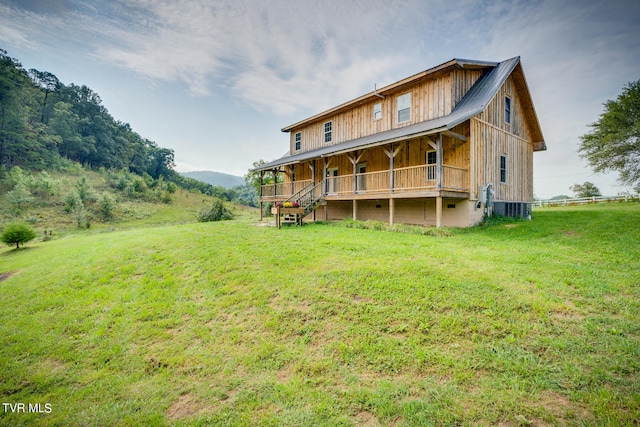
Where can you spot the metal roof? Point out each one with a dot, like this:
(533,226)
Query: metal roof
(472,103)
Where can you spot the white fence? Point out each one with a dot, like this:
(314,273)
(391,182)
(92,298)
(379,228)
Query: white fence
(585,200)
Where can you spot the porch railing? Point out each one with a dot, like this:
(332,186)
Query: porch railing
(454,178)
(414,178)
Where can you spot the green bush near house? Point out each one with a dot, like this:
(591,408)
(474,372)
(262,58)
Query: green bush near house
(216,211)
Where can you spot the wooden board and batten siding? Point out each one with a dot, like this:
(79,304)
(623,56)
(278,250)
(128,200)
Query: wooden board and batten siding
(430,99)
(491,138)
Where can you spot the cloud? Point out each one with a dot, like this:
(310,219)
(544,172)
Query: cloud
(280,56)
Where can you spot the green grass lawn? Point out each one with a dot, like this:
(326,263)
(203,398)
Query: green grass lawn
(524,323)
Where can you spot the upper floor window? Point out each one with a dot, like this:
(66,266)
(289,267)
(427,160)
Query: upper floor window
(507,109)
(298,140)
(327,131)
(377,111)
(503,169)
(404,108)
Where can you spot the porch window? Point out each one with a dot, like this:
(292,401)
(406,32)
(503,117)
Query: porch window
(404,108)
(327,131)
(298,140)
(503,169)
(377,111)
(507,110)
(431,165)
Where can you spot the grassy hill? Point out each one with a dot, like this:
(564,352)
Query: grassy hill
(215,178)
(136,202)
(519,323)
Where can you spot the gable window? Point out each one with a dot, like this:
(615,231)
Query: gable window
(404,108)
(507,110)
(503,169)
(298,140)
(327,131)
(377,111)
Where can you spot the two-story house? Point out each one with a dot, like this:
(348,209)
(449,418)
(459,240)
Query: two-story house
(442,147)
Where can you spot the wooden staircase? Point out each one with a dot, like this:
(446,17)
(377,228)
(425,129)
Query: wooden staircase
(310,197)
(307,199)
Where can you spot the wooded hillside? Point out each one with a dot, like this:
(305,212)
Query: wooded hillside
(43,121)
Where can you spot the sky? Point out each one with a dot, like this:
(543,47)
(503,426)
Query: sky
(216,80)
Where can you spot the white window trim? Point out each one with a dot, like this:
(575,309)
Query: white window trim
(510,109)
(506,177)
(296,141)
(377,104)
(330,133)
(406,108)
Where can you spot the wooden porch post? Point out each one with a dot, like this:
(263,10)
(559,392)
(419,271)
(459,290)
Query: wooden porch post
(355,209)
(261,181)
(355,171)
(392,210)
(325,187)
(439,181)
(275,181)
(391,177)
(439,162)
(261,184)
(439,211)
(392,155)
(312,165)
(292,174)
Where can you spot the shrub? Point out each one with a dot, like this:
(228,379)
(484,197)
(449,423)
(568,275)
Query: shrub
(17,233)
(106,206)
(171,187)
(166,197)
(85,191)
(71,201)
(214,212)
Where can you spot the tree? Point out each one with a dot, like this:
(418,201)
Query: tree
(17,233)
(252,178)
(614,142)
(588,189)
(19,196)
(106,206)
(49,83)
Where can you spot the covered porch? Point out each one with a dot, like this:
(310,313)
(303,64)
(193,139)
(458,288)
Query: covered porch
(425,166)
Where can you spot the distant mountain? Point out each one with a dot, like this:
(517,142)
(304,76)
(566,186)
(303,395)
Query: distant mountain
(215,178)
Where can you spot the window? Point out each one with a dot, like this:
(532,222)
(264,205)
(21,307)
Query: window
(327,131)
(507,109)
(377,111)
(404,108)
(503,169)
(298,139)
(431,165)
(431,157)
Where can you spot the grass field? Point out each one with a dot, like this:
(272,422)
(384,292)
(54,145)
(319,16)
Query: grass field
(512,324)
